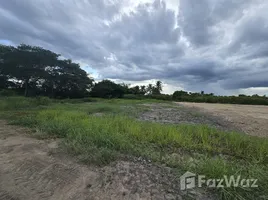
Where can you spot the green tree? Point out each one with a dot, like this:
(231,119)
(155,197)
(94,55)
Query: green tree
(67,79)
(143,90)
(107,89)
(149,89)
(5,57)
(135,90)
(177,95)
(40,70)
(125,87)
(27,64)
(159,87)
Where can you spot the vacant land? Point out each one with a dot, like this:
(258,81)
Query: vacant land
(121,149)
(250,119)
(179,114)
(35,169)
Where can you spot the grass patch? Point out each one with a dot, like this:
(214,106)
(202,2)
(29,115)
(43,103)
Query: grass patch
(117,132)
(17,102)
(197,148)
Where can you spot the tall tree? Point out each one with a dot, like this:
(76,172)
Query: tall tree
(135,90)
(143,89)
(158,87)
(5,57)
(125,87)
(149,89)
(67,79)
(40,70)
(27,64)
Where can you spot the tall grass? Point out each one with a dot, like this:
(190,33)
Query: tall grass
(120,132)
(18,102)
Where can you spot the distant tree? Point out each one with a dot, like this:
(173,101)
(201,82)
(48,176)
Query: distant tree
(135,90)
(179,94)
(67,79)
(155,89)
(149,89)
(159,86)
(255,95)
(107,89)
(195,94)
(125,88)
(143,90)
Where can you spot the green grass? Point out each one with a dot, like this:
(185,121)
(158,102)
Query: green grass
(17,102)
(100,140)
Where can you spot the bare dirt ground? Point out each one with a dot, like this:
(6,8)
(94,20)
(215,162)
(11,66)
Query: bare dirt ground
(181,114)
(35,169)
(250,119)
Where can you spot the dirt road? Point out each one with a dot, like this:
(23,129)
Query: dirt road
(35,169)
(251,119)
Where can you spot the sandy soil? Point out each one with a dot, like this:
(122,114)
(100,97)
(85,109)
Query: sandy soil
(35,169)
(251,119)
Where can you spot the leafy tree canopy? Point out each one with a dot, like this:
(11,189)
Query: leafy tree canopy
(40,72)
(107,89)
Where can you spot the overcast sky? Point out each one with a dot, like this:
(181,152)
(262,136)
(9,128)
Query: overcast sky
(218,46)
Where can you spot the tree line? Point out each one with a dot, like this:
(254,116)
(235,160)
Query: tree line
(109,89)
(211,98)
(35,71)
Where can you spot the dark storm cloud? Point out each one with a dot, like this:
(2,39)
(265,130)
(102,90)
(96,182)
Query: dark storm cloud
(252,37)
(222,43)
(192,71)
(199,19)
(253,80)
(56,24)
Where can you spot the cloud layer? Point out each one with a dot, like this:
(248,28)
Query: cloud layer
(216,46)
